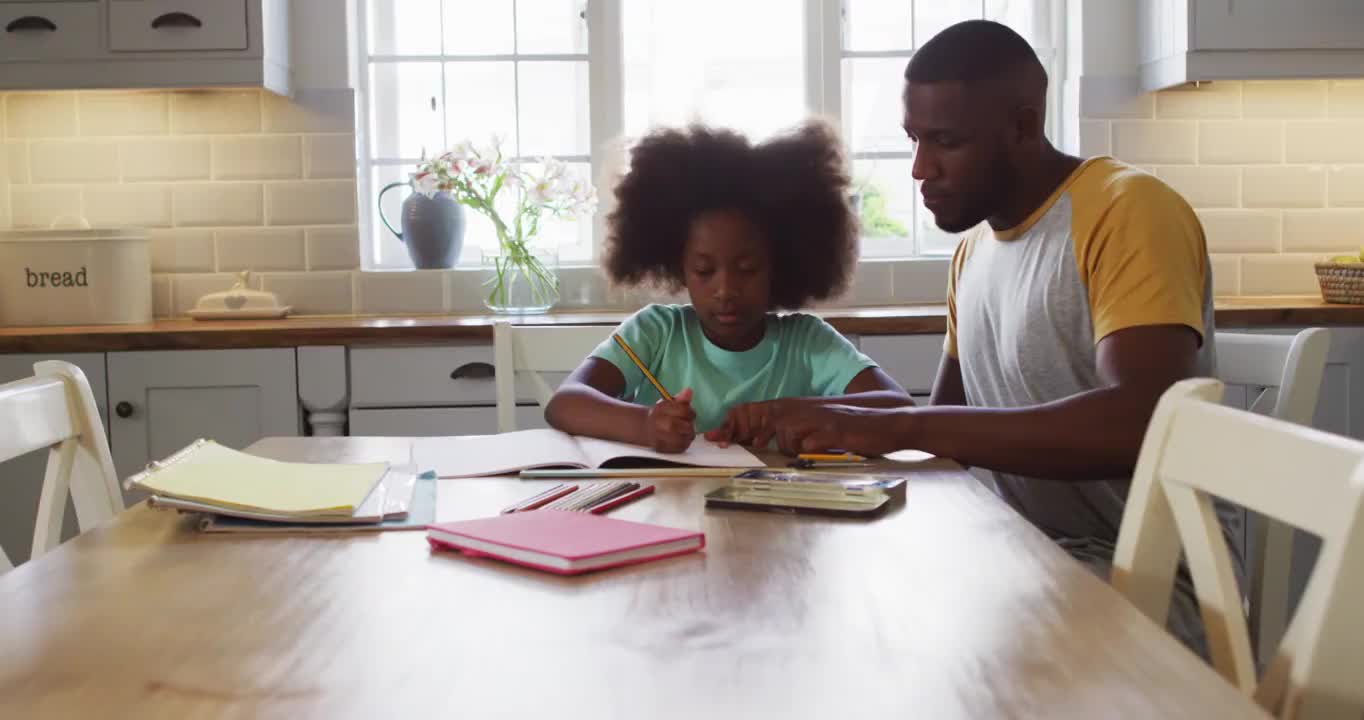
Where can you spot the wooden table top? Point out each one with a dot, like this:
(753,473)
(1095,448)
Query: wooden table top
(186,334)
(948,606)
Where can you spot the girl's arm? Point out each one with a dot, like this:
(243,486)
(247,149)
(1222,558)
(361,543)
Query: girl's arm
(587,403)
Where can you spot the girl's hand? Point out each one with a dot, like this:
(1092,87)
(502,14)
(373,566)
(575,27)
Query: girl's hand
(671,425)
(750,423)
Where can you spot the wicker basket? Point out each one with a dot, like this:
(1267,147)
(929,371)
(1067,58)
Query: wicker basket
(1341,282)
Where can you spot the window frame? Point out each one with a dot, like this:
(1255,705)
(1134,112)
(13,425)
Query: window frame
(824,53)
(605,114)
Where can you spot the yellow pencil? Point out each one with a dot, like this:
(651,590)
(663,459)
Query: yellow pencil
(829,457)
(640,364)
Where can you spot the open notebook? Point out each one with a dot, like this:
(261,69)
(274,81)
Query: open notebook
(478,455)
(209,475)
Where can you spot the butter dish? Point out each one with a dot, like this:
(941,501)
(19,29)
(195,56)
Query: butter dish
(239,303)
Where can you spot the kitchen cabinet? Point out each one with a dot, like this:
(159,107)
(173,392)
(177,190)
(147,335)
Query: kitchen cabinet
(912,360)
(436,421)
(439,390)
(164,400)
(1194,40)
(80,44)
(21,479)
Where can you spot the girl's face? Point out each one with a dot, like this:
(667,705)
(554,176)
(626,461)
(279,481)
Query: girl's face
(728,268)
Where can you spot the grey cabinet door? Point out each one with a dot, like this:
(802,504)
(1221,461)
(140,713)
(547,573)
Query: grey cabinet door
(162,401)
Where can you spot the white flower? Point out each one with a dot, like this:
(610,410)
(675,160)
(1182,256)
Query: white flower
(425,183)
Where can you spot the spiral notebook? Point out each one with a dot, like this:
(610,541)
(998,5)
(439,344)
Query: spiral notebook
(232,482)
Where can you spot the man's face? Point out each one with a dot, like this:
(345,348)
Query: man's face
(961,156)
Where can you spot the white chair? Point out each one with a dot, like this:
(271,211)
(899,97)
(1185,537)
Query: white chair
(55,409)
(1196,449)
(1293,366)
(530,350)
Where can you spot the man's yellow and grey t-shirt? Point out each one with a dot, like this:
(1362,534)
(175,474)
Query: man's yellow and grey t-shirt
(1112,248)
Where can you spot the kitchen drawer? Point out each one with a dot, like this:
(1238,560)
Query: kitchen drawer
(427,422)
(49,30)
(161,25)
(429,376)
(911,359)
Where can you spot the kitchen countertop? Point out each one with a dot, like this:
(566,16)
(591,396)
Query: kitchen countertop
(186,334)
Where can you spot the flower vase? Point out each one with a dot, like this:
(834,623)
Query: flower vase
(520,280)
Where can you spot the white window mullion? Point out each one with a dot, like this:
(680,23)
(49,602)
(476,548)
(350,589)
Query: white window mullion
(606,103)
(823,58)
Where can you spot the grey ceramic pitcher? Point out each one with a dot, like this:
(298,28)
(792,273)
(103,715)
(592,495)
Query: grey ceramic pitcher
(433,227)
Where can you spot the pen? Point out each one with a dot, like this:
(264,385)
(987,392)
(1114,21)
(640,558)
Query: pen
(631,496)
(640,364)
(543,498)
(831,457)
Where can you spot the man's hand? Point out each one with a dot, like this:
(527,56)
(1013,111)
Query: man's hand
(751,423)
(866,431)
(671,425)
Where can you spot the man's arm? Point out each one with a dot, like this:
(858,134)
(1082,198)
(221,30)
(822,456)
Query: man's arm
(947,386)
(1089,436)
(753,423)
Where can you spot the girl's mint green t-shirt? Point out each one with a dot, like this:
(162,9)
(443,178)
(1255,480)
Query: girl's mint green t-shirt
(799,356)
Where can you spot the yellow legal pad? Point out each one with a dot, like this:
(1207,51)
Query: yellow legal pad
(208,473)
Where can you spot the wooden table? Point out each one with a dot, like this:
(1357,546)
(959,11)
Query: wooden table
(949,606)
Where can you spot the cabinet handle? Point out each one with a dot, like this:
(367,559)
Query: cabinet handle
(177,19)
(472,371)
(31,22)
(124,409)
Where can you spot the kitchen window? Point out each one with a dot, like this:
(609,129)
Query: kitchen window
(570,78)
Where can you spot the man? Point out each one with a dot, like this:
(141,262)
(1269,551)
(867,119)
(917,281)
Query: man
(1080,292)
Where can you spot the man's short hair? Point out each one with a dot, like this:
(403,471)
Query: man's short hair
(971,52)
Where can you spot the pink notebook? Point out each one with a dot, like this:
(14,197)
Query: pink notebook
(563,542)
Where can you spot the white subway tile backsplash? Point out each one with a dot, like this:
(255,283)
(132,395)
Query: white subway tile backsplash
(266,157)
(161,296)
(310,111)
(1155,141)
(145,206)
(123,113)
(164,159)
(218,204)
(1284,99)
(1323,230)
(333,248)
(585,287)
(187,288)
(1279,275)
(260,249)
(330,156)
(1226,275)
(1204,187)
(314,202)
(416,291)
(1241,231)
(1094,138)
(73,161)
(1345,186)
(180,250)
(1240,141)
(1326,141)
(1283,186)
(1346,99)
(215,112)
(31,115)
(1208,100)
(312,293)
(38,206)
(16,161)
(464,291)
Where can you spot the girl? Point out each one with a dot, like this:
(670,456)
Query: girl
(746,230)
